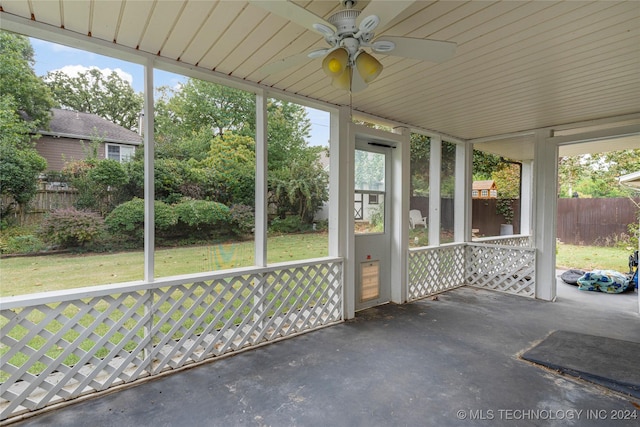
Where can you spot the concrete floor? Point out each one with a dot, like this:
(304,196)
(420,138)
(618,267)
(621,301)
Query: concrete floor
(449,361)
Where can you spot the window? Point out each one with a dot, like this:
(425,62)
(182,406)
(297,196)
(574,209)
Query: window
(485,193)
(474,193)
(121,153)
(494,193)
(370,181)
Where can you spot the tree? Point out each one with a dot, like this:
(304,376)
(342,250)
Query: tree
(21,164)
(484,164)
(213,127)
(24,95)
(420,166)
(300,189)
(569,172)
(596,175)
(231,160)
(287,131)
(17,79)
(110,97)
(507,180)
(201,107)
(19,172)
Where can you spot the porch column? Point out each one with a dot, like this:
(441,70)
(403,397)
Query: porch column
(462,201)
(526,198)
(400,168)
(545,206)
(341,176)
(435,170)
(149,193)
(260,235)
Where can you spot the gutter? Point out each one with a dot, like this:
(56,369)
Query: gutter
(84,137)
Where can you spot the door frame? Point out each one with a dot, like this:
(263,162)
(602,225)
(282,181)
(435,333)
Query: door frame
(399,205)
(373,249)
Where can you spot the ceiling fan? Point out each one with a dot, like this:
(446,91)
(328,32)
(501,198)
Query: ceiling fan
(348,33)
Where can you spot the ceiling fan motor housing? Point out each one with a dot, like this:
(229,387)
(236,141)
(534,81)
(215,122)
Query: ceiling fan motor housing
(345,21)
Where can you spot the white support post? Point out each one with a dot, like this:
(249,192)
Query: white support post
(149,193)
(400,169)
(435,170)
(341,176)
(260,236)
(462,201)
(526,198)
(545,208)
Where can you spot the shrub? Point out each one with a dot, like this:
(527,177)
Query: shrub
(71,227)
(242,219)
(127,219)
(290,224)
(20,240)
(23,245)
(202,215)
(98,182)
(108,173)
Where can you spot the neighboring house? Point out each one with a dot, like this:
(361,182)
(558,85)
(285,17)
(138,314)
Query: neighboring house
(484,189)
(70,134)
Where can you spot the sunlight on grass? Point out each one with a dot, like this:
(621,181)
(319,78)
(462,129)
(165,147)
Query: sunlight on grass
(27,275)
(592,258)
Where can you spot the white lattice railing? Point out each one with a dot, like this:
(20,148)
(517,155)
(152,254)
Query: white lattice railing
(507,269)
(59,346)
(513,240)
(435,269)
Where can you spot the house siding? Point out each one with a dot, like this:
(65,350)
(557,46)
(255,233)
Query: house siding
(51,148)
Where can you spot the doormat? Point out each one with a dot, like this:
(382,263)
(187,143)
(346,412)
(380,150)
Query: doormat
(609,362)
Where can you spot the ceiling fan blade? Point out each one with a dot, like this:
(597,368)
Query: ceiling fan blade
(384,10)
(296,14)
(284,63)
(423,49)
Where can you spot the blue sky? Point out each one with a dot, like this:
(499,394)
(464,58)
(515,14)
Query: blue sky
(51,56)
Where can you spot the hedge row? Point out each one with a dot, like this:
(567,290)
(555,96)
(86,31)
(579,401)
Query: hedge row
(188,219)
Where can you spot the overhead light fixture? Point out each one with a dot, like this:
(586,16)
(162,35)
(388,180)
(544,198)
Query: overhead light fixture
(343,81)
(351,72)
(336,62)
(368,67)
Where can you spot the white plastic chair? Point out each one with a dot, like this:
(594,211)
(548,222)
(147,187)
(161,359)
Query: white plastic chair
(416,218)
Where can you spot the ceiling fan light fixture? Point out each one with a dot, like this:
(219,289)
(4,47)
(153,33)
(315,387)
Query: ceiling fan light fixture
(335,63)
(368,67)
(343,81)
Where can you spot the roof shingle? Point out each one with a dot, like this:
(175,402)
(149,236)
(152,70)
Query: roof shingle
(86,125)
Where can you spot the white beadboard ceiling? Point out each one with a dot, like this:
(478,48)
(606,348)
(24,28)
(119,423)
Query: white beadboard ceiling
(519,65)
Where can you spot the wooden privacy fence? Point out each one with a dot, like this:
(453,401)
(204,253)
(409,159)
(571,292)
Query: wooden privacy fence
(44,201)
(595,221)
(484,216)
(579,221)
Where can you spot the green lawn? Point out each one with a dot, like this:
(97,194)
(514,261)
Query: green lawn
(26,275)
(593,258)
